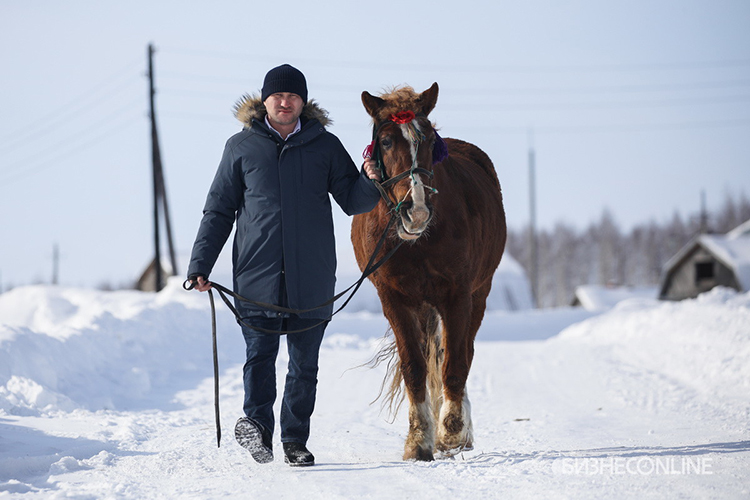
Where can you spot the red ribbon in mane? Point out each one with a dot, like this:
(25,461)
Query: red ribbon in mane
(403,117)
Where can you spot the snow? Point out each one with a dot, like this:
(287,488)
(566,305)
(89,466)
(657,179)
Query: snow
(109,395)
(598,297)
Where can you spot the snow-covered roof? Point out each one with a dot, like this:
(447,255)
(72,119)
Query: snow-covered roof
(741,230)
(731,249)
(598,297)
(733,253)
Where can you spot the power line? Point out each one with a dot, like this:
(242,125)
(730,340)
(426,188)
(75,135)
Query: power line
(664,102)
(497,102)
(82,102)
(666,87)
(229,80)
(661,102)
(45,164)
(642,127)
(71,145)
(484,68)
(551,129)
(224,118)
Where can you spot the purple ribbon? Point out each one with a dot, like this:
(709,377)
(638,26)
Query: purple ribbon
(439,150)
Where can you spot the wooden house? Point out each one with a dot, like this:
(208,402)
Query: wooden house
(709,260)
(147,280)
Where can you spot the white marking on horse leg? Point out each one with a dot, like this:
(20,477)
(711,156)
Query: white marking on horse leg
(455,429)
(421,439)
(466,404)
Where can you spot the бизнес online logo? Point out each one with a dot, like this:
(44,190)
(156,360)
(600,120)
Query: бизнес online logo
(641,466)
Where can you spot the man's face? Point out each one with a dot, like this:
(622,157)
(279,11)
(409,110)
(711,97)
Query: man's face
(284,108)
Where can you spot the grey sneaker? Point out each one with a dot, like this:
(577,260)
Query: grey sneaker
(297,455)
(254,438)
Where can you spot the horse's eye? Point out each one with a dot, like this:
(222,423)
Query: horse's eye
(386,142)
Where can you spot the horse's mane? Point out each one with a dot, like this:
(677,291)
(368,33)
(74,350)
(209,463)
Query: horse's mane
(398,98)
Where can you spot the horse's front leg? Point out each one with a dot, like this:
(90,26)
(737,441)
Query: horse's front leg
(420,442)
(454,429)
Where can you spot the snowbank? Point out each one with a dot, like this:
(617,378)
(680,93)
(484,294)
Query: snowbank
(65,348)
(108,395)
(702,343)
(598,297)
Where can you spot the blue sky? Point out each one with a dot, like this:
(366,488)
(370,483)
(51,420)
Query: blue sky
(635,106)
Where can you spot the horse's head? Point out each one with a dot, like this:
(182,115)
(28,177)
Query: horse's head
(403,144)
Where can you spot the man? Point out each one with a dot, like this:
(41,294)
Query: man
(274,179)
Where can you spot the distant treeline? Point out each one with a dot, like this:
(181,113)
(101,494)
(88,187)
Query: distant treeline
(602,254)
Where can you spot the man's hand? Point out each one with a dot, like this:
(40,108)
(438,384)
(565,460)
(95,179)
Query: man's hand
(371,169)
(202,285)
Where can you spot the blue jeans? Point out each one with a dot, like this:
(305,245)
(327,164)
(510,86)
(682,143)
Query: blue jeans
(259,374)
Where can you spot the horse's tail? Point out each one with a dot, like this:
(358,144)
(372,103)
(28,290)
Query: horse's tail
(392,388)
(434,355)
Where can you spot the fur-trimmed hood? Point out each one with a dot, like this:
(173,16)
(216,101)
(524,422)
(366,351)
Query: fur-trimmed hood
(251,106)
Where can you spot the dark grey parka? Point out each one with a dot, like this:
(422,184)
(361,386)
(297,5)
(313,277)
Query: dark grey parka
(277,192)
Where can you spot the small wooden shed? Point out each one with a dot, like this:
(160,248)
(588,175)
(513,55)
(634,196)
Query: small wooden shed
(147,280)
(709,260)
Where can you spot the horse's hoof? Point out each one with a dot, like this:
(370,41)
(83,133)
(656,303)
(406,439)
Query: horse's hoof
(419,454)
(454,446)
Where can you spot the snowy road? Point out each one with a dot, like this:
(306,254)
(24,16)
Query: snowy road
(649,400)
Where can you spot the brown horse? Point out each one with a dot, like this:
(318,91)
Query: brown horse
(449,210)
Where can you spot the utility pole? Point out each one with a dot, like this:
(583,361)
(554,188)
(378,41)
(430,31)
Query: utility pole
(160,192)
(704,214)
(167,222)
(155,167)
(55,264)
(533,249)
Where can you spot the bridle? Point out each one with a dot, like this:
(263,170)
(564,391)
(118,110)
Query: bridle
(373,150)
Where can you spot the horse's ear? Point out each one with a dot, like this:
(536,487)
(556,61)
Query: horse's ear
(372,103)
(428,99)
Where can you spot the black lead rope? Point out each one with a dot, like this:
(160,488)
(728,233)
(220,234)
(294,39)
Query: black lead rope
(216,369)
(370,268)
(223,292)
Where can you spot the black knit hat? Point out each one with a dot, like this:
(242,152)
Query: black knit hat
(284,78)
